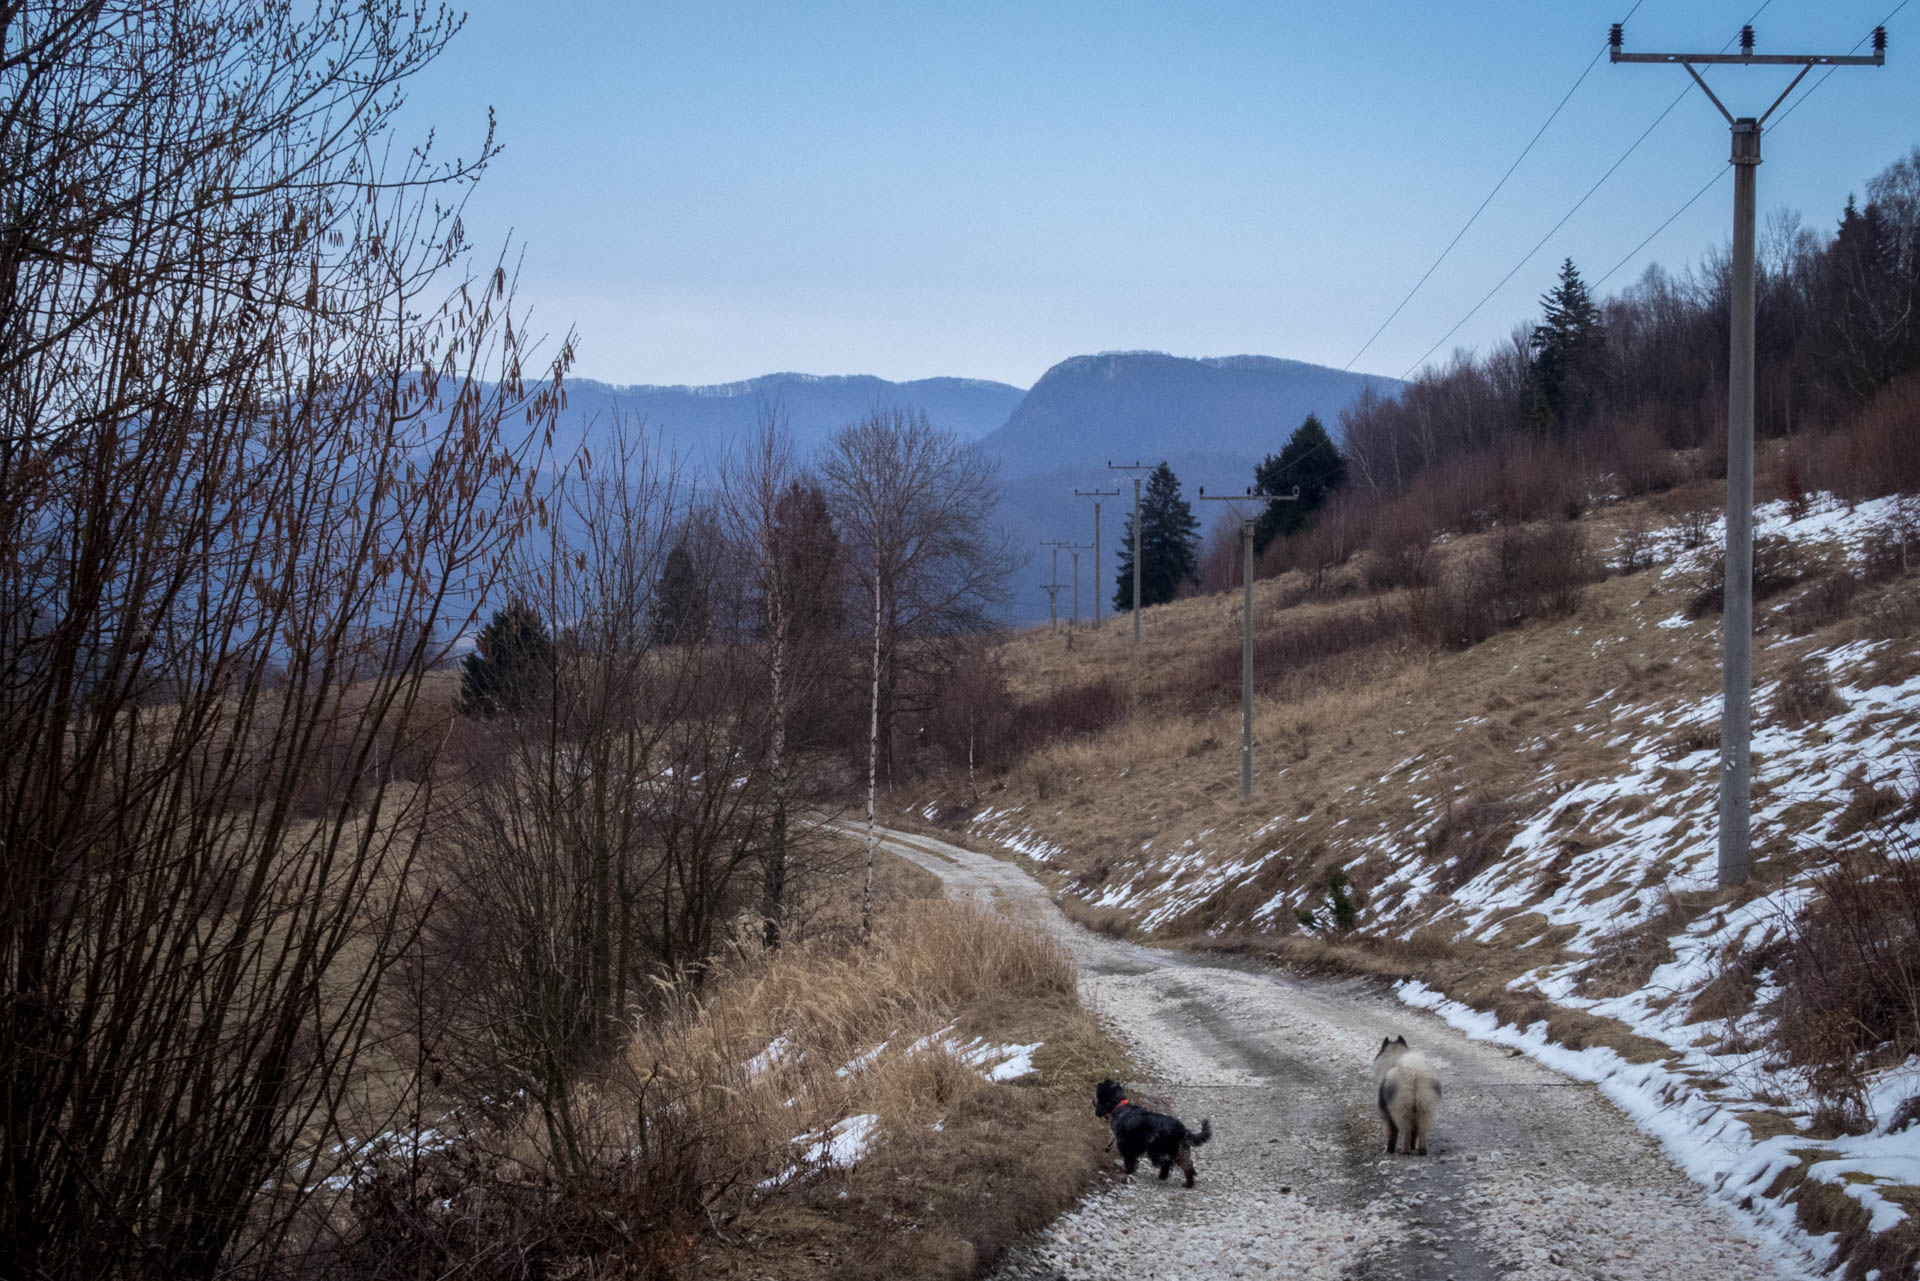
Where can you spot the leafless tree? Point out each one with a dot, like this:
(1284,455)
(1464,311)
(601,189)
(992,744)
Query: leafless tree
(252,423)
(792,566)
(610,831)
(914,504)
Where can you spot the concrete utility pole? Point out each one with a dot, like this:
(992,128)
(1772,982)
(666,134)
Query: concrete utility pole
(1053,586)
(1134,469)
(1737,619)
(1096,495)
(1076,549)
(1246,630)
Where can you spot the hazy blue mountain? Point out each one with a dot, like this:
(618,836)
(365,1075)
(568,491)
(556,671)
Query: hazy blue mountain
(1147,405)
(700,423)
(1211,419)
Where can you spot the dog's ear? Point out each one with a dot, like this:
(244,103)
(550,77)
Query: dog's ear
(1399,1040)
(1384,1043)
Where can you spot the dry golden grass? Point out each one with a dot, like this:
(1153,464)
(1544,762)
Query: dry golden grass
(1824,1208)
(693,1141)
(1489,721)
(1339,742)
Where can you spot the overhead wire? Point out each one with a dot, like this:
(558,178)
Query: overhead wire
(1471,218)
(1588,194)
(1585,196)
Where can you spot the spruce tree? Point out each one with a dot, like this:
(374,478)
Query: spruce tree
(1567,349)
(510,663)
(1169,544)
(813,563)
(680,614)
(1310,460)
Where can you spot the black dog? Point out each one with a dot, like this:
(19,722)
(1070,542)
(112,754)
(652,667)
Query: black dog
(1136,1130)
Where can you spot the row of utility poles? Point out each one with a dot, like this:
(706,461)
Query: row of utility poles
(1737,620)
(1247,523)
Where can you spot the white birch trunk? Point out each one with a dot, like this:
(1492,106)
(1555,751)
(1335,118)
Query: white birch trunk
(873,756)
(773,898)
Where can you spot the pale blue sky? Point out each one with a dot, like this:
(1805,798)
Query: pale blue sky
(710,191)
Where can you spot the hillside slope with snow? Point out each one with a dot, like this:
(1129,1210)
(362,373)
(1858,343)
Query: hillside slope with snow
(1528,830)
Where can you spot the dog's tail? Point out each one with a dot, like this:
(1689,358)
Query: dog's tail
(1205,1132)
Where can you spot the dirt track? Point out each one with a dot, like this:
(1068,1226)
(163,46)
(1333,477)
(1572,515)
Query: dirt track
(1530,1176)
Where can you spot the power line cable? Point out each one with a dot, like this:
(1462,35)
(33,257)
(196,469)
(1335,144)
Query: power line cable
(1471,219)
(1712,182)
(1481,207)
(1588,195)
(1792,106)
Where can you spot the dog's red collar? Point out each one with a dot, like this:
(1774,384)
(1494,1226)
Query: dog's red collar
(1122,1103)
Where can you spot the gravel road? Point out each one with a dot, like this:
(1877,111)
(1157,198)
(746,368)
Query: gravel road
(1530,1176)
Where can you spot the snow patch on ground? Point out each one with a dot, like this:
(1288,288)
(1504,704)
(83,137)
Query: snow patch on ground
(839,1145)
(1702,1131)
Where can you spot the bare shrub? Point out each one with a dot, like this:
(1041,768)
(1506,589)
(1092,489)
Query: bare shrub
(1887,551)
(1805,694)
(1825,600)
(1291,645)
(1875,456)
(1638,457)
(1689,739)
(1692,506)
(1455,613)
(970,716)
(1537,480)
(1695,521)
(1342,527)
(1075,711)
(1526,572)
(1402,545)
(1633,548)
(256,470)
(1850,999)
(1776,567)
(1542,572)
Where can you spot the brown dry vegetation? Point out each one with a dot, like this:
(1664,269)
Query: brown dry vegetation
(1492,671)
(1348,689)
(1354,686)
(683,1133)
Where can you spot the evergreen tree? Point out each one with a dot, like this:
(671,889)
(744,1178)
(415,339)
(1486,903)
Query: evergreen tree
(813,564)
(1169,544)
(1567,346)
(1868,303)
(510,663)
(1310,460)
(680,613)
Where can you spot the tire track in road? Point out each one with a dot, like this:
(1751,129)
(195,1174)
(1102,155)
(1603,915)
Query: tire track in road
(1532,1177)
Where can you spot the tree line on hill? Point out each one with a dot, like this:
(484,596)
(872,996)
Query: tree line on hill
(1618,387)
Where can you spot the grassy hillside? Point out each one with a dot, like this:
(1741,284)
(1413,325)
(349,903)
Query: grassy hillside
(1525,823)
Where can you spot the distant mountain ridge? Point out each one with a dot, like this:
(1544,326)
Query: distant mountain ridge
(1211,418)
(700,423)
(755,386)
